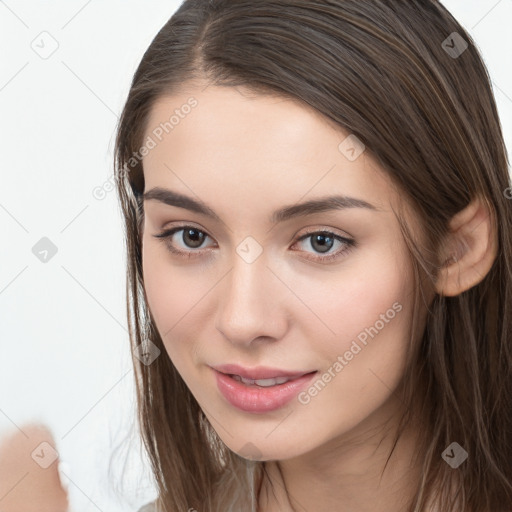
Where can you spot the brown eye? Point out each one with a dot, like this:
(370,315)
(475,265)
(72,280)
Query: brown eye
(193,238)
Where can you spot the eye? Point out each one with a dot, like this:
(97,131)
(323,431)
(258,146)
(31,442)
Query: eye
(192,239)
(323,241)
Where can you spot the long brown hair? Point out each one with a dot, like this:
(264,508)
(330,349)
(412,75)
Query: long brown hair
(394,74)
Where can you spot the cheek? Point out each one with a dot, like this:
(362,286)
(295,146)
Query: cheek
(166,292)
(176,296)
(357,299)
(369,308)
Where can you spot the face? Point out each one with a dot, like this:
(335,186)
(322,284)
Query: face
(324,289)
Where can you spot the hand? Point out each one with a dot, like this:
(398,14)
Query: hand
(26,486)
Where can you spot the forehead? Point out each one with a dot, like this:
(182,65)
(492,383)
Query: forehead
(237,116)
(246,146)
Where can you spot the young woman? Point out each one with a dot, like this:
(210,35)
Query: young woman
(319,236)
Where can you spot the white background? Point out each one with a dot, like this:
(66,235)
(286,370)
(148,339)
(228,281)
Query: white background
(64,345)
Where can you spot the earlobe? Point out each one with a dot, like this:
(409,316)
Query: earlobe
(470,249)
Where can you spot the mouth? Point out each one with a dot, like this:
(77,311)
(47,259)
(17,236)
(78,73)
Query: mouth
(260,395)
(261,375)
(265,383)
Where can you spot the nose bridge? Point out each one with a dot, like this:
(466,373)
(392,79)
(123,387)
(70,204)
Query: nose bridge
(248,301)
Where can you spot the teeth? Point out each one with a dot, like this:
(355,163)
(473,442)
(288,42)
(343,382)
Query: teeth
(265,383)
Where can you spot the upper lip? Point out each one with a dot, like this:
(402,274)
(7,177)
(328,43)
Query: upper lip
(258,372)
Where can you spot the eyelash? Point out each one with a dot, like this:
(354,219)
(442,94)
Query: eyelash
(166,236)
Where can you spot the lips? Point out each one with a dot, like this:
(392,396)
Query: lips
(263,382)
(260,399)
(260,373)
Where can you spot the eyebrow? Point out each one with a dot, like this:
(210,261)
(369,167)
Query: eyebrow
(322,204)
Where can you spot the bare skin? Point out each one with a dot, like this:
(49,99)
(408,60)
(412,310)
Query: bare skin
(246,156)
(362,451)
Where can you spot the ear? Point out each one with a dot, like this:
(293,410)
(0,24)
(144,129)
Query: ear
(469,250)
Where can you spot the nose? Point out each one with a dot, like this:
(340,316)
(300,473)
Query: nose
(252,303)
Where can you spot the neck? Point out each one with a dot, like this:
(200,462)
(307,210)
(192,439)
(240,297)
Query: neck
(350,472)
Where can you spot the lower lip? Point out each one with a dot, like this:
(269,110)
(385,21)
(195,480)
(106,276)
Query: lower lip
(259,399)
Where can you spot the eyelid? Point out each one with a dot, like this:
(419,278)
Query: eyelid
(323,229)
